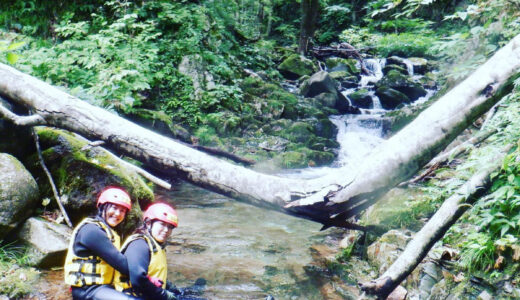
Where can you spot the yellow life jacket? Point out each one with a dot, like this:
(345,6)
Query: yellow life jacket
(157,267)
(91,270)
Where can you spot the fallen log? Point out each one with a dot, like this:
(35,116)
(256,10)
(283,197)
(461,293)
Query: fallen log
(328,200)
(450,211)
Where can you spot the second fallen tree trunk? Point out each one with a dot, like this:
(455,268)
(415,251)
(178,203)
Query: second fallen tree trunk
(450,211)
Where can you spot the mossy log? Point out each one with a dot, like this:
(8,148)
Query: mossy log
(331,199)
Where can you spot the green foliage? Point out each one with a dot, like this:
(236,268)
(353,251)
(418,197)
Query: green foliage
(9,48)
(17,280)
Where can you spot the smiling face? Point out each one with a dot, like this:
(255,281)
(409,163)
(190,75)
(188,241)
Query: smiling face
(161,231)
(114,214)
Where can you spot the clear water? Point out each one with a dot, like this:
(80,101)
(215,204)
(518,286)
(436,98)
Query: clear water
(243,252)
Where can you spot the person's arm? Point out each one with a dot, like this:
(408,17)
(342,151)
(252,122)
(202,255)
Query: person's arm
(93,240)
(138,257)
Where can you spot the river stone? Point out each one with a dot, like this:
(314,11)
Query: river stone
(399,293)
(398,61)
(318,83)
(47,242)
(361,98)
(390,98)
(403,84)
(349,65)
(194,67)
(296,66)
(80,172)
(386,249)
(327,99)
(18,193)
(420,65)
(398,68)
(431,275)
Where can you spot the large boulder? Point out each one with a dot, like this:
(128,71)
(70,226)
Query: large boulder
(361,98)
(390,98)
(349,65)
(321,82)
(19,193)
(296,66)
(46,242)
(420,65)
(81,171)
(383,252)
(403,84)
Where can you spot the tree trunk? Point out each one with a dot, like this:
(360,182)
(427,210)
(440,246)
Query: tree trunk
(329,200)
(450,211)
(310,10)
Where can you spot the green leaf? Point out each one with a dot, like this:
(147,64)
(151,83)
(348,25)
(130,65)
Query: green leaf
(12,57)
(15,46)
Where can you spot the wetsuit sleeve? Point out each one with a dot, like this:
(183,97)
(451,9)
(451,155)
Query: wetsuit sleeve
(138,256)
(93,240)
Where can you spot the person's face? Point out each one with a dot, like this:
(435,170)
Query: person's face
(114,214)
(161,231)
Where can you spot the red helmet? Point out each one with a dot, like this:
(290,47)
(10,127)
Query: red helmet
(162,212)
(115,195)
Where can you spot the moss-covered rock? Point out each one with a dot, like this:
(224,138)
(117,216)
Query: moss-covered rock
(420,65)
(296,66)
(397,119)
(348,65)
(361,98)
(80,172)
(403,84)
(397,68)
(390,98)
(19,193)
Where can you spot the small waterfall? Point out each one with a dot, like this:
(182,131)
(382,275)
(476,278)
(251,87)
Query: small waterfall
(409,66)
(357,135)
(375,67)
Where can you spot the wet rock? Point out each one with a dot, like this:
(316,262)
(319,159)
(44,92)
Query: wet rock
(398,68)
(420,65)
(339,75)
(274,143)
(361,98)
(19,193)
(296,66)
(47,242)
(397,61)
(80,172)
(194,67)
(327,99)
(403,84)
(398,294)
(386,249)
(428,81)
(390,98)
(335,64)
(484,296)
(319,83)
(430,276)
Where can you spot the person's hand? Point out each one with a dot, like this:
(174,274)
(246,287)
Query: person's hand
(170,295)
(156,281)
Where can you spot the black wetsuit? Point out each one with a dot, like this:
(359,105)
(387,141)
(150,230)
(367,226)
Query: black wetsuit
(93,240)
(138,255)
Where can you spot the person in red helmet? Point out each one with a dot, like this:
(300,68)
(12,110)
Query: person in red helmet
(93,255)
(146,255)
